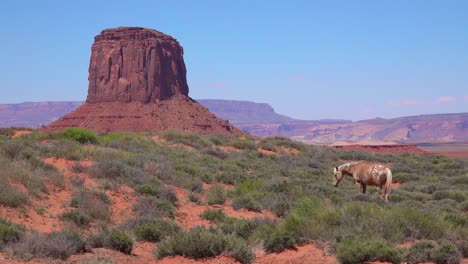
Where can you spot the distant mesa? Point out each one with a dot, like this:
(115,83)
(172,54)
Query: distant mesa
(137,82)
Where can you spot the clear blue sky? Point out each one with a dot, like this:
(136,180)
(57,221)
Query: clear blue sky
(308,59)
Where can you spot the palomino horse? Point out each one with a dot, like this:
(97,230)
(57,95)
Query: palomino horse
(365,173)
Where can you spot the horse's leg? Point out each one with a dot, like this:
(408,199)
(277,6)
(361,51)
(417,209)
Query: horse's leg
(364,188)
(379,190)
(359,186)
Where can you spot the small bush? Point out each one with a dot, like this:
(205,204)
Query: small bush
(57,245)
(92,203)
(446,253)
(355,250)
(9,232)
(154,207)
(155,230)
(80,134)
(12,149)
(248,202)
(121,241)
(216,195)
(240,227)
(77,217)
(213,215)
(10,196)
(201,243)
(420,251)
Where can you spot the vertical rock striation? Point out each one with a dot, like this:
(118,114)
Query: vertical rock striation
(132,64)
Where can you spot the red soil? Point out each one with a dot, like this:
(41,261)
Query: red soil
(188,213)
(268,152)
(19,133)
(303,254)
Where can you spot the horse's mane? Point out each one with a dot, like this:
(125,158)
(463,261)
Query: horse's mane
(347,165)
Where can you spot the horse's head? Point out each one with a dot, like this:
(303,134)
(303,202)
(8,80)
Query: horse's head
(337,176)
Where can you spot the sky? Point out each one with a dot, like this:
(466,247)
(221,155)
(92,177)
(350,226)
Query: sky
(350,59)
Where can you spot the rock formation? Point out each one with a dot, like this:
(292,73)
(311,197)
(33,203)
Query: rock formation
(137,82)
(135,65)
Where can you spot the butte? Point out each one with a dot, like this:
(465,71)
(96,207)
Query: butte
(137,82)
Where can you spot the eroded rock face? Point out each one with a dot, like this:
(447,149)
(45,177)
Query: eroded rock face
(133,64)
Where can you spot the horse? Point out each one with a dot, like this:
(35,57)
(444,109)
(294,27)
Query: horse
(365,173)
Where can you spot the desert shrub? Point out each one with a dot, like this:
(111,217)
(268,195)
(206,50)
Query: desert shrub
(463,248)
(92,203)
(57,245)
(80,134)
(216,195)
(359,250)
(446,253)
(9,232)
(120,241)
(454,195)
(70,150)
(12,149)
(154,230)
(100,239)
(247,201)
(78,168)
(241,227)
(244,144)
(200,243)
(157,190)
(277,238)
(420,251)
(77,217)
(106,138)
(213,215)
(464,206)
(154,207)
(186,138)
(109,169)
(12,197)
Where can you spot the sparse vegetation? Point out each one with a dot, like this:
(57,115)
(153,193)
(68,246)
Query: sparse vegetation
(295,185)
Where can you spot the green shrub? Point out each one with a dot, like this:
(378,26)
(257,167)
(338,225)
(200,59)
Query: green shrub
(213,215)
(454,195)
(247,201)
(77,217)
(120,241)
(9,232)
(80,134)
(154,207)
(446,253)
(201,243)
(12,149)
(186,138)
(12,197)
(358,250)
(155,230)
(241,227)
(420,251)
(216,195)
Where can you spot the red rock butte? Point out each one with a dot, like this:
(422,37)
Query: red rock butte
(137,82)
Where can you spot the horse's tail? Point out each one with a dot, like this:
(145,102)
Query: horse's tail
(388,183)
